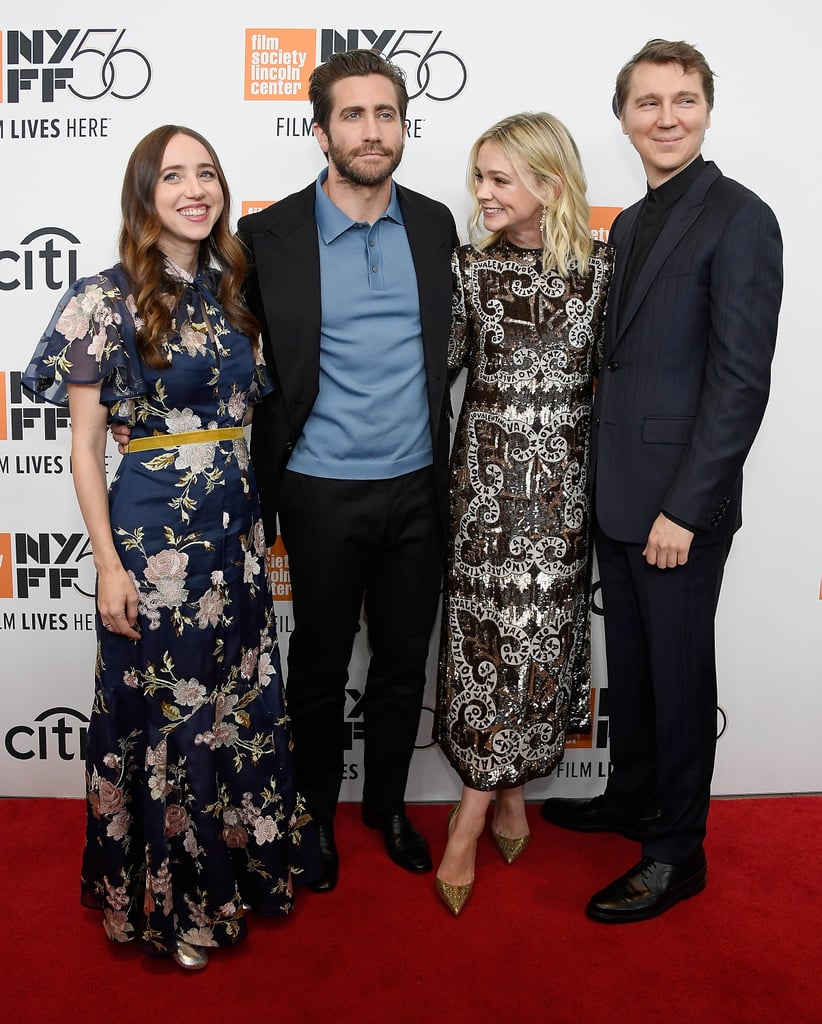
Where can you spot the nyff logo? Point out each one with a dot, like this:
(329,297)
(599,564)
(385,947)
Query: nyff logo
(45,565)
(24,416)
(60,731)
(431,70)
(88,63)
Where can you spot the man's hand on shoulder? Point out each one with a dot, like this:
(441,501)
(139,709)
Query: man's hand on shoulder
(668,543)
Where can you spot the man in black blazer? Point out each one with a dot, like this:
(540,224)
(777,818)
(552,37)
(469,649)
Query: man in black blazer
(690,334)
(351,283)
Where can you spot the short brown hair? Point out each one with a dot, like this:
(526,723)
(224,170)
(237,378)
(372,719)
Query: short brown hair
(663,51)
(351,64)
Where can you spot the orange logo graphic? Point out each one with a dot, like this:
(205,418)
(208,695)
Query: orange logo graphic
(601,219)
(5,566)
(278,574)
(254,206)
(278,62)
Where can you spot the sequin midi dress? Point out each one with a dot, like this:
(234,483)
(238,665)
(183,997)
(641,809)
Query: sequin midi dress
(514,666)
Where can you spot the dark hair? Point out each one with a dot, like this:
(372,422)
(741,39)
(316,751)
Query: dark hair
(351,64)
(143,261)
(663,51)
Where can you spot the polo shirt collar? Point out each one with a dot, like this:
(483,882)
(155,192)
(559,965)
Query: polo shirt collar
(332,222)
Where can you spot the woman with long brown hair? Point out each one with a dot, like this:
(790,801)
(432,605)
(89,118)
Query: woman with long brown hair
(192,814)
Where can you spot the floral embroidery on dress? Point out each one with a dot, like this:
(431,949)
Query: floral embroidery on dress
(192,807)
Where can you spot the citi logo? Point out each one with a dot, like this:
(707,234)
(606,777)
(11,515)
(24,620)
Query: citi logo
(45,258)
(56,733)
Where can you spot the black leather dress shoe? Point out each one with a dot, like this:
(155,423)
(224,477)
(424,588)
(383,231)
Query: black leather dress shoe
(403,843)
(648,889)
(329,859)
(594,816)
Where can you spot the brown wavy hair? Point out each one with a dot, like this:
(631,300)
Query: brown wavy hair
(665,51)
(144,263)
(351,64)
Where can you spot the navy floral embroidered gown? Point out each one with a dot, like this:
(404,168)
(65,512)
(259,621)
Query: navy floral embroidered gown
(191,805)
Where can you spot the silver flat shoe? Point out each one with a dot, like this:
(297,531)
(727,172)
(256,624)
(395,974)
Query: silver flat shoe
(190,958)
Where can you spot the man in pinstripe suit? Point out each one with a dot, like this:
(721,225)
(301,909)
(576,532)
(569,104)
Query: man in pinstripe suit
(690,334)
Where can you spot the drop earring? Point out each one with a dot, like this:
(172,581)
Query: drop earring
(542,221)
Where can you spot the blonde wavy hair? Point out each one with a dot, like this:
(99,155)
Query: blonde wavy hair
(546,158)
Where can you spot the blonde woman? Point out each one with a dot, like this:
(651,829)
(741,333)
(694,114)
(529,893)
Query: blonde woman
(529,305)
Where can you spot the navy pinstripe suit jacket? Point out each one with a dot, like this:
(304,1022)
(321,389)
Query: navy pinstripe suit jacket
(686,368)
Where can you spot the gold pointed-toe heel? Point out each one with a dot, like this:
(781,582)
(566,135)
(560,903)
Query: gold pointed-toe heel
(511,848)
(453,896)
(190,958)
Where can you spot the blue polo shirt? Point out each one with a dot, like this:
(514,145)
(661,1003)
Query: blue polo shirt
(370,419)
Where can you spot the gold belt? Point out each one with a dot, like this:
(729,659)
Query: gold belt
(142,444)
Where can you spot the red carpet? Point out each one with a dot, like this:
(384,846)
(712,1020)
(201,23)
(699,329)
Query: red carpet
(382,950)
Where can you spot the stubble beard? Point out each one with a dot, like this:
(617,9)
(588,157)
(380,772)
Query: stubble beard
(344,163)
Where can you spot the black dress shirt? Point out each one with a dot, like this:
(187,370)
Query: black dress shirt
(652,218)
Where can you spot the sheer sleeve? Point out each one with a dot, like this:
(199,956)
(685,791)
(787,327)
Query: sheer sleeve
(260,384)
(92,338)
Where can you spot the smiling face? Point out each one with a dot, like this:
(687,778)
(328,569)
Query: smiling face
(508,205)
(188,199)
(665,115)
(365,135)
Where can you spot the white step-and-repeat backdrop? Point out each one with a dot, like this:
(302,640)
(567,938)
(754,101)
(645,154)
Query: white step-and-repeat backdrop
(80,84)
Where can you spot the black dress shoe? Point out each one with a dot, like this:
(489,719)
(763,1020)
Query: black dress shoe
(648,889)
(403,843)
(329,859)
(594,816)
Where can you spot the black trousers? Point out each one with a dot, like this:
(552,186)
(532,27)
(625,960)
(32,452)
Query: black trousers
(662,693)
(354,544)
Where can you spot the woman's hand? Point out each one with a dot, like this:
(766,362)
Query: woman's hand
(117,596)
(117,601)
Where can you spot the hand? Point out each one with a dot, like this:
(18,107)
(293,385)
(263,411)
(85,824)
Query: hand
(121,432)
(117,601)
(668,543)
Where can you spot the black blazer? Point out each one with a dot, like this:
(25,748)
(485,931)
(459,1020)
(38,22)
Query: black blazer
(283,292)
(686,369)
